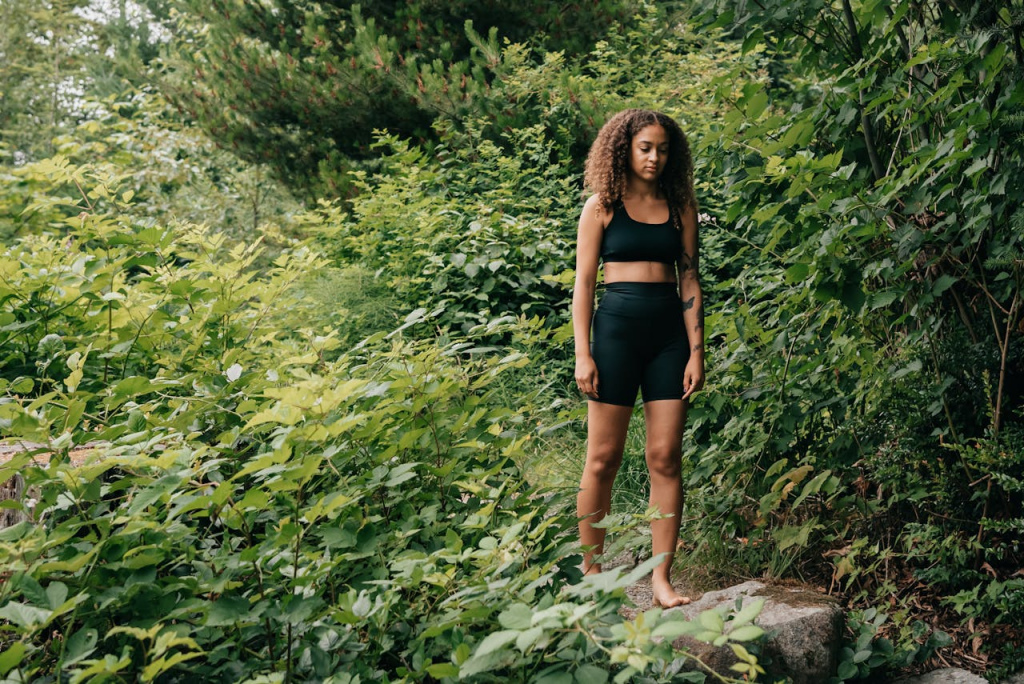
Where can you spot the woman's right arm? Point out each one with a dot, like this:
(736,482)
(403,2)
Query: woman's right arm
(588,248)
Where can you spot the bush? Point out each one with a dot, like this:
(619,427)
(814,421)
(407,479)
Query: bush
(261,507)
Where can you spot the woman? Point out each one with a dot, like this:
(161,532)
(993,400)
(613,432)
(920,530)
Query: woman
(648,331)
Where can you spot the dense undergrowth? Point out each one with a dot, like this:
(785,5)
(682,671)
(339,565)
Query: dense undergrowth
(263,505)
(348,448)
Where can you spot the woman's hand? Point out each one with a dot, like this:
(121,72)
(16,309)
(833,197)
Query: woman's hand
(586,375)
(693,376)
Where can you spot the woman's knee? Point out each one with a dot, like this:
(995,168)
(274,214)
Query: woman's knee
(664,460)
(603,462)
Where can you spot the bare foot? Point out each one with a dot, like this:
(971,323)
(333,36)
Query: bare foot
(594,569)
(664,596)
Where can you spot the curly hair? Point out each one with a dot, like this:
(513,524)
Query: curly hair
(608,161)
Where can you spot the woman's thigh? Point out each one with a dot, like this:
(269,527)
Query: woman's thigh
(606,429)
(665,421)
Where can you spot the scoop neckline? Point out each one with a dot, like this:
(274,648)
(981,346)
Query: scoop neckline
(645,223)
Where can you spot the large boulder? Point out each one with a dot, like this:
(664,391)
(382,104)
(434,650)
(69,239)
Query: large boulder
(804,631)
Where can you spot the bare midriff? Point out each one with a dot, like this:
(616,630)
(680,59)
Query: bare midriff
(639,272)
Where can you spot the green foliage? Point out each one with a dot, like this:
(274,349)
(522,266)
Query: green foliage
(477,247)
(257,506)
(44,48)
(303,89)
(314,450)
(871,301)
(869,654)
(172,171)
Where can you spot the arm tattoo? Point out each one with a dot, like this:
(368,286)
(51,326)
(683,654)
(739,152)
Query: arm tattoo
(689,263)
(688,304)
(697,347)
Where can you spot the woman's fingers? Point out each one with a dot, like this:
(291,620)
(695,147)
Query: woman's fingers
(588,384)
(692,382)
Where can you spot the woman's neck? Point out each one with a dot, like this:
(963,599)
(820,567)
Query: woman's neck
(637,188)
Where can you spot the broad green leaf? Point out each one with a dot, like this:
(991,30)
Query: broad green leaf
(165,663)
(12,657)
(25,615)
(56,594)
(590,674)
(80,645)
(528,638)
(746,633)
(494,641)
(711,620)
(442,670)
(516,616)
(227,610)
(673,629)
(750,610)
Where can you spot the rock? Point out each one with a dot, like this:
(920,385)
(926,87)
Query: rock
(949,675)
(13,489)
(804,628)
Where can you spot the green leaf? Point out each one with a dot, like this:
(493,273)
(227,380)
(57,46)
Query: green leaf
(441,670)
(673,629)
(33,591)
(11,658)
(877,300)
(527,639)
(22,385)
(847,670)
(24,615)
(711,620)
(80,645)
(746,633)
(797,273)
(751,40)
(743,654)
(861,656)
(554,678)
(942,283)
(492,642)
(131,386)
(56,594)
(227,610)
(591,674)
(516,616)
(749,611)
(756,104)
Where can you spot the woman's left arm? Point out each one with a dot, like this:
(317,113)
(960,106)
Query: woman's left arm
(693,303)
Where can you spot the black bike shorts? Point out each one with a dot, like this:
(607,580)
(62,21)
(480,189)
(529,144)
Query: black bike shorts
(639,341)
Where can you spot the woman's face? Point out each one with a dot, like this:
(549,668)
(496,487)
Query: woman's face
(648,152)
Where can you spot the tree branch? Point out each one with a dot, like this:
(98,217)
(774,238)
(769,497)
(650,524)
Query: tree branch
(865,121)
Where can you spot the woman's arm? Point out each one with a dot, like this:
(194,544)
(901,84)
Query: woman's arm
(588,249)
(693,303)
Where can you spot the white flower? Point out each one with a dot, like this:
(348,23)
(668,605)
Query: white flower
(234,372)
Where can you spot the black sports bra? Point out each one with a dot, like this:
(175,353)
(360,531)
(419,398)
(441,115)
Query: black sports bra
(627,240)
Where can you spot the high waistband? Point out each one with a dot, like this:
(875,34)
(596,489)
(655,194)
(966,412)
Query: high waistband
(643,289)
(641,301)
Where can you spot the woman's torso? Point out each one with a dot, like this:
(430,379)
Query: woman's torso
(641,246)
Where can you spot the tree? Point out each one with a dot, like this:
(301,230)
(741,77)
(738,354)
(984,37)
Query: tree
(303,86)
(43,48)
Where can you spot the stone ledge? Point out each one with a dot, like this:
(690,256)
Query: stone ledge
(805,630)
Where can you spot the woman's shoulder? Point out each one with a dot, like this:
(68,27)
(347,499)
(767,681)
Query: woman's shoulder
(595,207)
